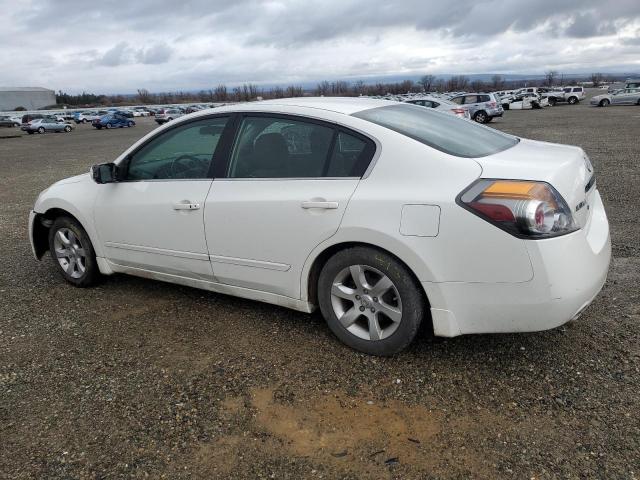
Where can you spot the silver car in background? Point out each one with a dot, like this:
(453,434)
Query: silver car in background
(442,105)
(46,124)
(483,107)
(626,96)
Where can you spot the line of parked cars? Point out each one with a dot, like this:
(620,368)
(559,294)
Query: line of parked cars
(484,107)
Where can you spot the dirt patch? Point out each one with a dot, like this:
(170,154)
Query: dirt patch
(346,435)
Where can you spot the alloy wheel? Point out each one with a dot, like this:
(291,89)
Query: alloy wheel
(366,302)
(70,253)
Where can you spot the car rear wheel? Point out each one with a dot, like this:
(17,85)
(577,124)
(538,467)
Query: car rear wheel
(370,300)
(481,117)
(552,101)
(40,129)
(129,124)
(108,125)
(67,129)
(572,100)
(73,253)
(604,103)
(84,120)
(29,132)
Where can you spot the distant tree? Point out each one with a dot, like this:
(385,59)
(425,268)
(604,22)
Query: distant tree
(457,83)
(359,87)
(497,82)
(19,109)
(427,81)
(550,77)
(144,96)
(220,93)
(596,79)
(477,86)
(323,88)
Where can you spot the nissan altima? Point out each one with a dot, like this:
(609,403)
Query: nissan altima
(381,214)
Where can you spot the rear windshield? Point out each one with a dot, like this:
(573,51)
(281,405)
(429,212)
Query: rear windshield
(441,131)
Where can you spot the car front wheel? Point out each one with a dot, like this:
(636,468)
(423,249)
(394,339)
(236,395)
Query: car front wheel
(480,117)
(67,129)
(604,103)
(572,100)
(41,130)
(370,300)
(72,252)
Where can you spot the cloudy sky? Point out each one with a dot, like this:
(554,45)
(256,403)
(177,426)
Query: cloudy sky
(119,46)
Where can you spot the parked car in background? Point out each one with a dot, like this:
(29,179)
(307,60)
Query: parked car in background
(46,124)
(632,83)
(384,215)
(483,107)
(7,121)
(571,95)
(27,117)
(626,96)
(112,120)
(166,115)
(441,104)
(140,112)
(88,116)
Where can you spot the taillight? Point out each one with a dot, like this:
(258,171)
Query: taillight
(492,104)
(458,111)
(526,209)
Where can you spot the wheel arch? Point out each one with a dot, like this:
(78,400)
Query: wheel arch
(310,279)
(43,220)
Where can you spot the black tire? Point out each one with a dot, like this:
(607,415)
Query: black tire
(506,106)
(84,120)
(91,274)
(410,292)
(108,125)
(552,101)
(67,129)
(604,102)
(40,130)
(99,127)
(481,116)
(29,132)
(489,119)
(572,100)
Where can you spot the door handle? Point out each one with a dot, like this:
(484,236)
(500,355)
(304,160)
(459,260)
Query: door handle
(186,205)
(319,204)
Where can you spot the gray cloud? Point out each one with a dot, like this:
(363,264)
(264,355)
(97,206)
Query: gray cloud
(164,44)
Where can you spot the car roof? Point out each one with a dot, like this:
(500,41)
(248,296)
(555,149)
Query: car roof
(345,105)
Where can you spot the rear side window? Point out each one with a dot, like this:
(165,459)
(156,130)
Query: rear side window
(285,147)
(577,89)
(440,131)
(484,98)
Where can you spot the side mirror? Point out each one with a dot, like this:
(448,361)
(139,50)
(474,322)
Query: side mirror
(104,173)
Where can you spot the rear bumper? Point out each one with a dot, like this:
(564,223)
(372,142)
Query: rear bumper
(569,271)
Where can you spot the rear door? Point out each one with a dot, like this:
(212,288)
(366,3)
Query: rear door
(285,190)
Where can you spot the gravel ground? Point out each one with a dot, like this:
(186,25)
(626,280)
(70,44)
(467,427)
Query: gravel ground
(140,379)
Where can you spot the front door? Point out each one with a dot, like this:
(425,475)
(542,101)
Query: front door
(152,219)
(286,188)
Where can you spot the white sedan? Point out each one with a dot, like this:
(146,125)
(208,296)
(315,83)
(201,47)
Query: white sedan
(382,214)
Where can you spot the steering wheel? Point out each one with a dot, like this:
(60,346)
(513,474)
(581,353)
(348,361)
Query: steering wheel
(185,162)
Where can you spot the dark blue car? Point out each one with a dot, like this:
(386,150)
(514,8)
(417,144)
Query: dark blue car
(113,120)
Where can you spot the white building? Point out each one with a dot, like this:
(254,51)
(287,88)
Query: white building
(31,98)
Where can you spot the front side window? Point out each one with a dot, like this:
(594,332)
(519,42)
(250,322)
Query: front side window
(184,152)
(446,133)
(284,147)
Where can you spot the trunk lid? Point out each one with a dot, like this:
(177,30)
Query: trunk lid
(565,167)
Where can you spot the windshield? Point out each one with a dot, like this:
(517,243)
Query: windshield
(441,131)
